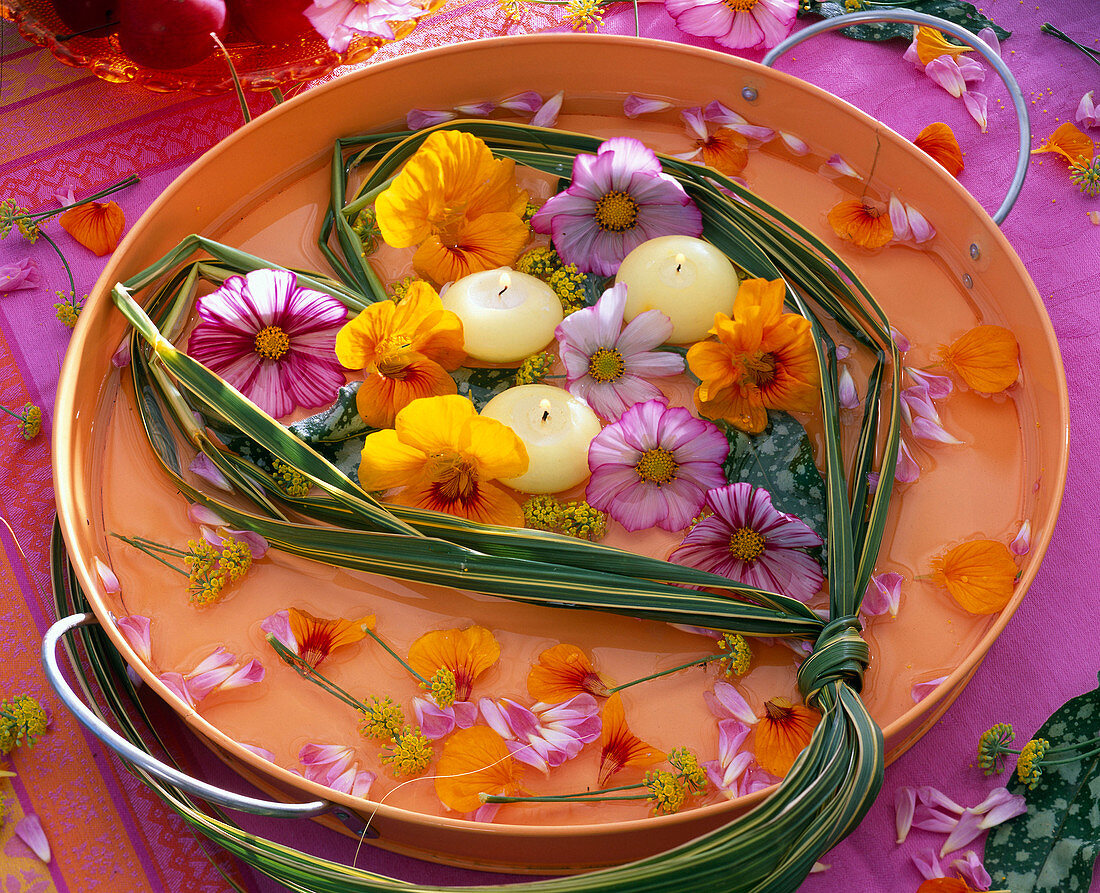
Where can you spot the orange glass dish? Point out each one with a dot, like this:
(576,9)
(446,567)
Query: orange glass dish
(264,190)
(259,67)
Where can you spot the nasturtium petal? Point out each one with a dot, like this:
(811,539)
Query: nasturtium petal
(980,575)
(987,358)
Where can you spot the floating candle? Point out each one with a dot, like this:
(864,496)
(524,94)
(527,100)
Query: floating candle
(556,428)
(506,315)
(686,278)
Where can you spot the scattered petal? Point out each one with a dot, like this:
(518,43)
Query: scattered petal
(972,871)
(796,145)
(838,165)
(928,864)
(980,575)
(977,104)
(635,105)
(418,119)
(203,466)
(21,274)
(29,830)
(107,577)
(1086,110)
(95,225)
(905,802)
(938,141)
(527,102)
(547,115)
(922,690)
(1021,543)
(135,630)
(945,71)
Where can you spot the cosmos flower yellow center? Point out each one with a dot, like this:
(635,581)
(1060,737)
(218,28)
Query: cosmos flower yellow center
(616,212)
(606,365)
(740,5)
(657,466)
(272,343)
(746,544)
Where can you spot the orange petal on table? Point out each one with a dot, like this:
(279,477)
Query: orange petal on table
(862,222)
(987,358)
(95,225)
(945,885)
(782,734)
(475,761)
(620,747)
(980,575)
(931,44)
(465,652)
(1069,141)
(562,673)
(318,637)
(726,151)
(938,140)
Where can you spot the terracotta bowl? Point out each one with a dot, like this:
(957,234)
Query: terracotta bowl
(261,189)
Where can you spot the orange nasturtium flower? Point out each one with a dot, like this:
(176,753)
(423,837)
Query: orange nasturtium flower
(458,204)
(475,761)
(938,140)
(318,637)
(725,150)
(763,359)
(980,575)
(95,225)
(782,734)
(931,44)
(405,351)
(862,222)
(620,747)
(562,673)
(1069,141)
(987,358)
(949,885)
(467,653)
(446,458)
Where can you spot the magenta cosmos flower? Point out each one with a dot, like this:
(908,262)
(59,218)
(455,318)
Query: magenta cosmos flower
(748,540)
(618,199)
(735,23)
(607,364)
(273,341)
(654,465)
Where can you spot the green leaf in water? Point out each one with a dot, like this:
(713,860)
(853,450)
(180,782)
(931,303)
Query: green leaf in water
(1052,848)
(339,422)
(482,385)
(781,460)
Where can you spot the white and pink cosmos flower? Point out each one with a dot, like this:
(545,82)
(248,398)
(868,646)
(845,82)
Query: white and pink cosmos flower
(545,735)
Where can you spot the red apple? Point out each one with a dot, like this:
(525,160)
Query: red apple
(270,21)
(89,18)
(169,33)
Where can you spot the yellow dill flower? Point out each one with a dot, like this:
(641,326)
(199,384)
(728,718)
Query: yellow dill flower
(692,774)
(28,229)
(201,556)
(68,309)
(1086,175)
(541,263)
(991,747)
(534,369)
(740,654)
(444,687)
(581,520)
(510,8)
(542,513)
(204,588)
(530,211)
(853,5)
(291,481)
(31,422)
(22,721)
(666,790)
(236,558)
(409,753)
(9,211)
(401,289)
(365,227)
(1029,767)
(581,15)
(568,285)
(382,720)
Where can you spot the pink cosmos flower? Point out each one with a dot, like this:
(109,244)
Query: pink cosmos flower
(654,465)
(546,735)
(608,364)
(219,671)
(335,767)
(437,722)
(748,540)
(618,199)
(23,273)
(271,340)
(338,21)
(736,24)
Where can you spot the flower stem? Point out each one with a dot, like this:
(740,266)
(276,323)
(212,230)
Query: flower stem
(137,544)
(312,674)
(103,193)
(64,263)
(1048,28)
(396,656)
(693,663)
(561,798)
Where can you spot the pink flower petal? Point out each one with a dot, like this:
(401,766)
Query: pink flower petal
(900,341)
(847,395)
(1000,806)
(547,115)
(726,702)
(1021,544)
(262,752)
(794,144)
(928,864)
(200,514)
(945,71)
(29,830)
(693,121)
(971,870)
(899,220)
(203,466)
(907,469)
(937,386)
(989,37)
(527,102)
(635,105)
(972,70)
(434,721)
(19,274)
(135,630)
(922,690)
(176,684)
(968,827)
(476,109)
(905,802)
(728,118)
(278,625)
(921,229)
(926,429)
(978,106)
(1086,111)
(120,359)
(107,577)
(838,165)
(251,673)
(418,119)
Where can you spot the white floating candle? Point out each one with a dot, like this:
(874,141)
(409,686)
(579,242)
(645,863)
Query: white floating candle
(506,315)
(685,278)
(556,428)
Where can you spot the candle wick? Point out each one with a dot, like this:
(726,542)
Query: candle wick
(678,268)
(502,291)
(545,415)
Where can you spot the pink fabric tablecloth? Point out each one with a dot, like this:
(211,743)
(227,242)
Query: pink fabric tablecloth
(1049,652)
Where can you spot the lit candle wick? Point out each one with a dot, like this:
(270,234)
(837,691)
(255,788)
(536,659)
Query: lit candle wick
(505,281)
(679,261)
(544,405)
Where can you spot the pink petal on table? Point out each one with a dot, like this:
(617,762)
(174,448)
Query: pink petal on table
(203,466)
(418,119)
(928,864)
(1086,111)
(527,102)
(989,37)
(911,55)
(796,145)
(935,798)
(905,801)
(1021,544)
(978,106)
(20,274)
(107,577)
(966,829)
(972,871)
(635,105)
(547,115)
(944,71)
(66,197)
(1000,806)
(922,690)
(29,830)
(135,630)
(972,70)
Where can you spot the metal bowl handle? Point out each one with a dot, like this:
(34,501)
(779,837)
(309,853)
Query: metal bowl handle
(920,18)
(147,762)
